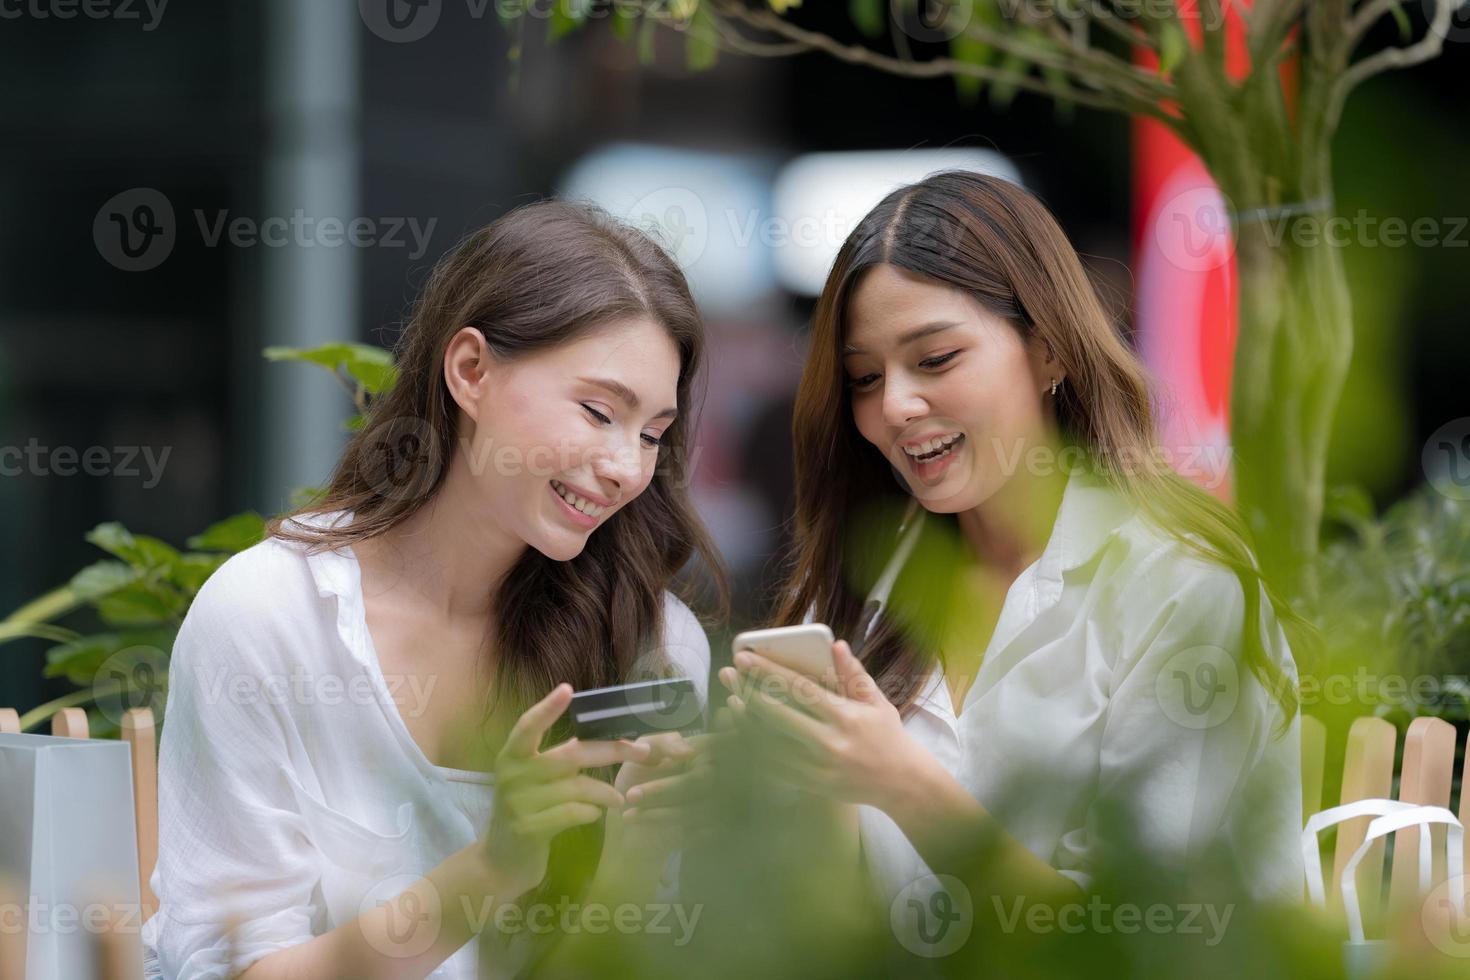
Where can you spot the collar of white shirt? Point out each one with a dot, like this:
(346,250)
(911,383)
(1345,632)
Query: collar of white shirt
(1090,515)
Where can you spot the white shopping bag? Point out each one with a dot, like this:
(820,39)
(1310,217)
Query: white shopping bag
(68,846)
(1364,957)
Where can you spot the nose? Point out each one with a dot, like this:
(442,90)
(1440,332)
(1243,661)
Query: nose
(902,403)
(617,467)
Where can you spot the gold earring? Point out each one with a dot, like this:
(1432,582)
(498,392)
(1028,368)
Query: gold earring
(1054,387)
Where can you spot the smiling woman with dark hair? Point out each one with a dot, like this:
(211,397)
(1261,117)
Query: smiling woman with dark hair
(503,529)
(1012,698)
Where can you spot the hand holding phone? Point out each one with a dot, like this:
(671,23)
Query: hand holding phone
(806,649)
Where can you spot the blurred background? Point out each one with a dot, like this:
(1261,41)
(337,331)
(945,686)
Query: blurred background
(291,169)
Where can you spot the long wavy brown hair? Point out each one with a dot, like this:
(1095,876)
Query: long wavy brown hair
(541,275)
(1000,245)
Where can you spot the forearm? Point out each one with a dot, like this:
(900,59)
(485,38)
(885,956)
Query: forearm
(955,834)
(621,879)
(403,939)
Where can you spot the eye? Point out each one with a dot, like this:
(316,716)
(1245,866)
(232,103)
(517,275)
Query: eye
(864,383)
(596,414)
(940,361)
(651,441)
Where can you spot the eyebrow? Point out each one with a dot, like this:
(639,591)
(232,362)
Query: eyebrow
(908,338)
(626,395)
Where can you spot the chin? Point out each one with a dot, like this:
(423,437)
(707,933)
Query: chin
(561,547)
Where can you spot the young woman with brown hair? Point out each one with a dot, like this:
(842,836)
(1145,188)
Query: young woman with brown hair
(351,772)
(1077,628)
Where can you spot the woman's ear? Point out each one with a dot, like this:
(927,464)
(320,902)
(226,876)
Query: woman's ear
(1045,368)
(467,368)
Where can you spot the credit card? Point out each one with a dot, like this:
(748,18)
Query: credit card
(632,710)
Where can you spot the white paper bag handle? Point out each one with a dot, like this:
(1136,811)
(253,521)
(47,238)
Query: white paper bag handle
(1389,823)
(1311,849)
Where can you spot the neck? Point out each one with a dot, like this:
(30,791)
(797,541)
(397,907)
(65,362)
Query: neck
(449,553)
(1010,529)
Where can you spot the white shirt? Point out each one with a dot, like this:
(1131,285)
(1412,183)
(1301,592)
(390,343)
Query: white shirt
(1115,671)
(291,794)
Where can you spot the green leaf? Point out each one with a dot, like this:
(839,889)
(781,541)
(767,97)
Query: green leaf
(102,578)
(647,42)
(1173,46)
(623,22)
(972,52)
(193,570)
(1348,505)
(306,496)
(565,18)
(138,550)
(81,660)
(231,534)
(1003,90)
(701,42)
(371,366)
(1402,19)
(138,604)
(868,16)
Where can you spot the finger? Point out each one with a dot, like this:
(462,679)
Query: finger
(734,681)
(549,823)
(773,679)
(577,789)
(525,736)
(574,754)
(662,818)
(852,677)
(665,746)
(773,711)
(669,791)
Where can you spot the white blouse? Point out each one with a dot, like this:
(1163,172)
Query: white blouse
(291,795)
(1115,672)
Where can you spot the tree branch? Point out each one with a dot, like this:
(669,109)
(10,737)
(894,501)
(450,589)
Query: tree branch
(1109,99)
(1429,46)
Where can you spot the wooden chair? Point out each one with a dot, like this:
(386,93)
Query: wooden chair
(1425,777)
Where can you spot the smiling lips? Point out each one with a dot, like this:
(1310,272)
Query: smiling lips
(577,507)
(928,458)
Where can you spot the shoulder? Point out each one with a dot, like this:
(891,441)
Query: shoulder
(683,633)
(252,604)
(1170,595)
(685,645)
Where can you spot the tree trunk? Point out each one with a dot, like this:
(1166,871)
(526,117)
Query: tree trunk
(1292,352)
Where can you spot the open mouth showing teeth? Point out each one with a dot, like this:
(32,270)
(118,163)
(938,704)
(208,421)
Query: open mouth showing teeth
(579,503)
(935,448)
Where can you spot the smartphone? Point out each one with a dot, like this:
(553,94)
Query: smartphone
(630,710)
(806,649)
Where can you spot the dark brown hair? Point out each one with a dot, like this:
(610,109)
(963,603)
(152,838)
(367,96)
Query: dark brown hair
(1000,245)
(541,275)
